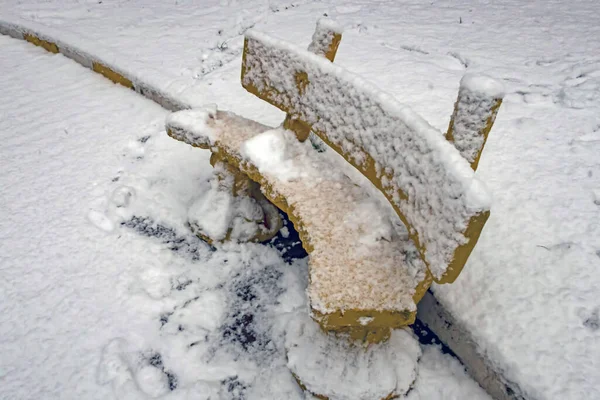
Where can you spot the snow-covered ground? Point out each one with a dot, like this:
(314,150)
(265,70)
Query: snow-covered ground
(105,292)
(528,293)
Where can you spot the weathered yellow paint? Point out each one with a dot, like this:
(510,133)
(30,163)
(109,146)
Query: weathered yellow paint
(112,75)
(96,66)
(301,129)
(422,287)
(376,331)
(333,46)
(46,45)
(484,132)
(461,255)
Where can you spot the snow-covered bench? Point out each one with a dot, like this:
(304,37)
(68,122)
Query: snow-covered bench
(366,275)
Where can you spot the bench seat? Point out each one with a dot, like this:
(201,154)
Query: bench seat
(366,275)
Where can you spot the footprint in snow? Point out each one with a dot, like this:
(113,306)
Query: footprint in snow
(596,197)
(593,321)
(133,374)
(100,220)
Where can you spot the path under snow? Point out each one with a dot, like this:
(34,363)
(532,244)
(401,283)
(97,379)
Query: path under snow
(104,292)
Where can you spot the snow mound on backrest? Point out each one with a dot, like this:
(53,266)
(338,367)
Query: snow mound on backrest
(483,84)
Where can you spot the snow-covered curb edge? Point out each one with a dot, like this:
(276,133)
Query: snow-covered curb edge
(454,335)
(430,311)
(41,36)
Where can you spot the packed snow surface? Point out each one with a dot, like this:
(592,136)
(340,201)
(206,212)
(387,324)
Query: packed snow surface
(529,291)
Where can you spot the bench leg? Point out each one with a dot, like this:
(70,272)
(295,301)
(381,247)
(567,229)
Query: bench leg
(234,209)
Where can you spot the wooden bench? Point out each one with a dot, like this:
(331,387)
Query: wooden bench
(366,274)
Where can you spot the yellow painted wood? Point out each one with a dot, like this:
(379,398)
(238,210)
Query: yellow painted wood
(48,46)
(112,75)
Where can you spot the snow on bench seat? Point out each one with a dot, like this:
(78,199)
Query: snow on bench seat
(364,276)
(427,181)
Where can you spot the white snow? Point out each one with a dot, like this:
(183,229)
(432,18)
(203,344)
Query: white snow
(483,84)
(533,311)
(268,152)
(442,377)
(64,291)
(220,215)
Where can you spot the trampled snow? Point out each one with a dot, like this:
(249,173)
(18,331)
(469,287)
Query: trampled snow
(529,291)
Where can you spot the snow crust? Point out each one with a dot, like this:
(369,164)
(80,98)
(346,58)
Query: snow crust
(410,155)
(442,377)
(220,215)
(66,275)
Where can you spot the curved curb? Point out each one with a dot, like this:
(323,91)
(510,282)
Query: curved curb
(489,376)
(453,334)
(96,64)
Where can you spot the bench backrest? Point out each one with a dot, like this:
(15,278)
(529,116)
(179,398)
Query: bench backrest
(427,181)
